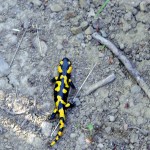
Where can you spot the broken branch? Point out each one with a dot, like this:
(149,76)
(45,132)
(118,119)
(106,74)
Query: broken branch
(101,83)
(135,74)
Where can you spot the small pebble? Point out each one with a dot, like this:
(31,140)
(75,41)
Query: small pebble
(108,129)
(73,135)
(112,118)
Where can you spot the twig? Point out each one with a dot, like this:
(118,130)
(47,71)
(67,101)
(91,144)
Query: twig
(54,129)
(84,81)
(11,112)
(144,132)
(39,39)
(135,74)
(17,49)
(103,82)
(17,30)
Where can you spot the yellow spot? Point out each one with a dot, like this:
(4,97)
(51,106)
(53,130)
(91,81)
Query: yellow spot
(69,70)
(55,110)
(67,105)
(61,124)
(60,133)
(61,112)
(57,138)
(53,143)
(59,99)
(69,80)
(58,87)
(61,62)
(56,78)
(64,91)
(59,69)
(69,62)
(61,76)
(65,81)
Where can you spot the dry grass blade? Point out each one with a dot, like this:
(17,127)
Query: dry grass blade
(54,129)
(17,49)
(85,81)
(39,39)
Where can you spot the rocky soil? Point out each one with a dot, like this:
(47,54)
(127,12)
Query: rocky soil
(119,112)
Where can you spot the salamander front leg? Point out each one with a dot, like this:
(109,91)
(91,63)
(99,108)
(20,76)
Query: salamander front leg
(53,80)
(70,105)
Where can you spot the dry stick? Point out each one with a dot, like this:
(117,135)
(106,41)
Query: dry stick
(77,93)
(17,49)
(11,112)
(39,39)
(103,82)
(84,81)
(144,132)
(135,74)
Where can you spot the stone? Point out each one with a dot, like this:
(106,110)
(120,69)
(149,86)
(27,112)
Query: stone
(80,36)
(142,17)
(4,67)
(127,83)
(35,141)
(45,107)
(103,33)
(126,26)
(91,13)
(41,46)
(55,7)
(46,128)
(144,5)
(97,2)
(133,138)
(84,25)
(83,3)
(77,101)
(102,93)
(73,135)
(36,2)
(147,113)
(128,16)
(59,46)
(108,129)
(140,120)
(100,145)
(135,89)
(111,118)
(2,95)
(121,45)
(76,30)
(89,30)
(11,39)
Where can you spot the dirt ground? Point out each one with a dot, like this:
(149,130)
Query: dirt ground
(38,34)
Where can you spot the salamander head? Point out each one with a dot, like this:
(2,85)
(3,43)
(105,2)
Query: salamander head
(65,66)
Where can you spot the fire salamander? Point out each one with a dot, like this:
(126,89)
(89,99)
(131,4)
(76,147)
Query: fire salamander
(63,83)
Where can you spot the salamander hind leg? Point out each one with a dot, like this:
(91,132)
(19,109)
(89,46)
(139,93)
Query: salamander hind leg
(53,115)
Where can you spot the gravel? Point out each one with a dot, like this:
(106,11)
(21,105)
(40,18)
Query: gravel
(64,30)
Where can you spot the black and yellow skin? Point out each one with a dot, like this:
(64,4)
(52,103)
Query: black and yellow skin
(63,83)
